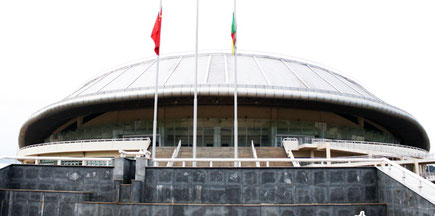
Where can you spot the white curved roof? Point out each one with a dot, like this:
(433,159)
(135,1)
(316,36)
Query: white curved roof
(216,70)
(258,75)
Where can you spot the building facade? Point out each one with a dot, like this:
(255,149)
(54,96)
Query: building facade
(278,97)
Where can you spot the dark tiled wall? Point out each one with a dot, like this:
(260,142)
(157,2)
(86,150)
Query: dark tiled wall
(401,200)
(4,177)
(258,185)
(40,203)
(84,209)
(97,180)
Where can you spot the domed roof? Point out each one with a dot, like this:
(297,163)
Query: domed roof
(217,70)
(258,75)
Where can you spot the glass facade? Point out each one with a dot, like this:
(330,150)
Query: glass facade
(219,132)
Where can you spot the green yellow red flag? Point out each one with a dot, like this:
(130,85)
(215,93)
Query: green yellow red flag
(233,34)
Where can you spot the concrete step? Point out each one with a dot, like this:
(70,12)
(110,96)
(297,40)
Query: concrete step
(312,209)
(164,152)
(215,152)
(272,152)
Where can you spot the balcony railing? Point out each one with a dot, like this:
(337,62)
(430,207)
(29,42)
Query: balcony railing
(88,141)
(395,150)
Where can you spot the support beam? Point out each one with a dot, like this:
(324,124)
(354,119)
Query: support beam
(416,167)
(328,152)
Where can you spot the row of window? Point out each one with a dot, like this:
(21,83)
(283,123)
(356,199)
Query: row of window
(219,132)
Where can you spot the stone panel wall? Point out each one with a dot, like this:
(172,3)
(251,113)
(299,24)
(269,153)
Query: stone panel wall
(4,177)
(99,209)
(97,180)
(261,185)
(401,200)
(39,202)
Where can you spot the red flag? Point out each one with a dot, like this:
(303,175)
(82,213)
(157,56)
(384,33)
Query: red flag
(155,35)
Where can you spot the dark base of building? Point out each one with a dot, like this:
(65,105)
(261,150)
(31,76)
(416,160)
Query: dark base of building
(132,189)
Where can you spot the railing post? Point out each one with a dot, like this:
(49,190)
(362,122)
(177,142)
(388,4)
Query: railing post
(211,163)
(403,176)
(184,164)
(59,162)
(420,186)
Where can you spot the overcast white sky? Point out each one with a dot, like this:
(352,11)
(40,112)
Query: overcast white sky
(49,48)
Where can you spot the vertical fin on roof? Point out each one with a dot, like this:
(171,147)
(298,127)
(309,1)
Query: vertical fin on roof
(261,70)
(323,78)
(113,79)
(173,69)
(207,69)
(86,88)
(351,87)
(294,73)
(146,69)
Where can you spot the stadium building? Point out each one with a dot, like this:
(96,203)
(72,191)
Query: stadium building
(318,110)
(310,142)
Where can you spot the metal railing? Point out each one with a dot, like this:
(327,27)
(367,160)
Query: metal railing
(429,176)
(368,142)
(268,161)
(141,153)
(88,141)
(254,153)
(396,149)
(175,154)
(413,181)
(289,139)
(59,160)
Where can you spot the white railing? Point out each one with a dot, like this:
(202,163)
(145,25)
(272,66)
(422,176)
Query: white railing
(396,150)
(267,161)
(289,139)
(429,176)
(141,153)
(175,154)
(254,153)
(89,141)
(59,160)
(413,181)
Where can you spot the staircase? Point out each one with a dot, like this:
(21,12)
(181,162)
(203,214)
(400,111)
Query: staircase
(224,152)
(164,152)
(215,152)
(272,152)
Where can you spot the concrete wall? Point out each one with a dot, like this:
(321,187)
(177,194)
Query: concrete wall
(261,185)
(401,200)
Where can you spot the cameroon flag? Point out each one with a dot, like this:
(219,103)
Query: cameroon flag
(233,34)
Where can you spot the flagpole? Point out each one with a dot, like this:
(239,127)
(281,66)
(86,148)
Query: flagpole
(195,100)
(155,100)
(236,127)
(155,108)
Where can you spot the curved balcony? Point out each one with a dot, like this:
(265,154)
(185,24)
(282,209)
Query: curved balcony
(114,145)
(91,145)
